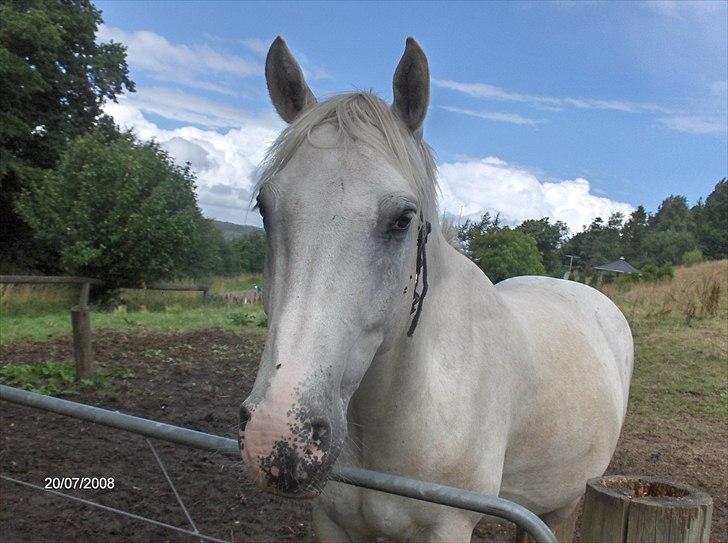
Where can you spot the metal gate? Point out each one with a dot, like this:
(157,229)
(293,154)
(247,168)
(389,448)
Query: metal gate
(384,482)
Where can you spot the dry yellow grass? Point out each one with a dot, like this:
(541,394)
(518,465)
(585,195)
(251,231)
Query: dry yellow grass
(696,292)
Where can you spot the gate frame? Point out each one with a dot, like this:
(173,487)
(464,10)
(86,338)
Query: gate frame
(373,480)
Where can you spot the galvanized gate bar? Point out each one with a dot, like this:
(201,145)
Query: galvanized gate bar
(392,484)
(447,495)
(130,423)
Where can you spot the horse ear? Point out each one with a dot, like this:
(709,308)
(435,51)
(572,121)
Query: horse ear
(287,87)
(412,87)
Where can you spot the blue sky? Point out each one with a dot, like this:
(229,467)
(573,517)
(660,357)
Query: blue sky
(570,110)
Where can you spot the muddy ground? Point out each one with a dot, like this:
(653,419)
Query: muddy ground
(197,380)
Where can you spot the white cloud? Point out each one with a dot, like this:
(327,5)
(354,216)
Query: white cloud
(225,162)
(474,186)
(696,124)
(487,91)
(257,46)
(196,66)
(682,10)
(512,118)
(225,159)
(185,107)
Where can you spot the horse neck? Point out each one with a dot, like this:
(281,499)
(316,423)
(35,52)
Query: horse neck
(404,365)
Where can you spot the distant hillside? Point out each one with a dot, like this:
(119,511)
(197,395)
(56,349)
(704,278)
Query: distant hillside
(232,231)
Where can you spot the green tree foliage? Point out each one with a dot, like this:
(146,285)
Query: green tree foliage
(243,254)
(671,232)
(598,243)
(673,214)
(711,220)
(54,78)
(118,209)
(549,238)
(472,229)
(634,231)
(504,253)
(249,250)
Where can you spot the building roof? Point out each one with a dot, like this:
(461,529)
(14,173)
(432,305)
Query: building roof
(618,266)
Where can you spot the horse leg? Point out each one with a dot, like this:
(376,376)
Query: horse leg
(458,526)
(562,522)
(327,530)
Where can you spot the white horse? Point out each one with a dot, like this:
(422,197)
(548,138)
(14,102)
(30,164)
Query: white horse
(388,349)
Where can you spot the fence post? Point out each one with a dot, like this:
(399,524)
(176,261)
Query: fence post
(83,297)
(645,509)
(82,351)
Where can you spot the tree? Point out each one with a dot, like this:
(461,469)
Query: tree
(250,251)
(712,221)
(505,253)
(598,243)
(672,214)
(668,246)
(54,78)
(670,232)
(548,239)
(471,229)
(117,209)
(634,232)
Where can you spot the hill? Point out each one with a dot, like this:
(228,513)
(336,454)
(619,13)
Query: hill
(233,231)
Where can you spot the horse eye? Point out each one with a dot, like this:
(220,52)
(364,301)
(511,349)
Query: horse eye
(403,222)
(260,208)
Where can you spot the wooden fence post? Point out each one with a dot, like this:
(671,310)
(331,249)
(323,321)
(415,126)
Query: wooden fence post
(82,351)
(646,510)
(84,294)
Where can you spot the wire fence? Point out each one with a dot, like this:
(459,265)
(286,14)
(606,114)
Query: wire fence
(373,480)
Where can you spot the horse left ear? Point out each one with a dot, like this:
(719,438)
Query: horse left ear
(287,87)
(412,87)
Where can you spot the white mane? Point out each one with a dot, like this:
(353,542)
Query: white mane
(361,116)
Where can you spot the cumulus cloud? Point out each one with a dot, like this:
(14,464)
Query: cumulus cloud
(225,161)
(471,187)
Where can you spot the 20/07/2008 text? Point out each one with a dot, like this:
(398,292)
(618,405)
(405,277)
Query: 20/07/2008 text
(60,483)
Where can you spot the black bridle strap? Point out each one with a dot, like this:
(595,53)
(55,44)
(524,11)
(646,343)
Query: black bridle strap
(419,298)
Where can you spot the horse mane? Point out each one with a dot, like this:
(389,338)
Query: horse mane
(361,116)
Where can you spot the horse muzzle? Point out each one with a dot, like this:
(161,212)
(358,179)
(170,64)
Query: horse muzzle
(290,456)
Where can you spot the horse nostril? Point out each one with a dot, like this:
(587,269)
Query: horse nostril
(244,417)
(320,433)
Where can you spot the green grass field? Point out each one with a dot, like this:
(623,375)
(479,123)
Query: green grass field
(39,311)
(680,329)
(676,419)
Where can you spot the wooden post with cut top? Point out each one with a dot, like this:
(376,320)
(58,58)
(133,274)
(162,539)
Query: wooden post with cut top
(82,350)
(80,316)
(627,509)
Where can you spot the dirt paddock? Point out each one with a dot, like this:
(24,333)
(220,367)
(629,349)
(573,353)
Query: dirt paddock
(197,380)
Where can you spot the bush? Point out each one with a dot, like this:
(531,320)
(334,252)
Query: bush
(506,253)
(118,209)
(692,257)
(652,273)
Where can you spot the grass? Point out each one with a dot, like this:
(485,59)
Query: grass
(41,300)
(680,329)
(56,378)
(174,319)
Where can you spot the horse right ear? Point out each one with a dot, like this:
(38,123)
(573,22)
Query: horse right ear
(412,87)
(287,87)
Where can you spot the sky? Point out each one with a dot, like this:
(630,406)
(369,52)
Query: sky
(538,109)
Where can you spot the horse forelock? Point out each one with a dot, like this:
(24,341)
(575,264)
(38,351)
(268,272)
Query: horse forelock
(366,118)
